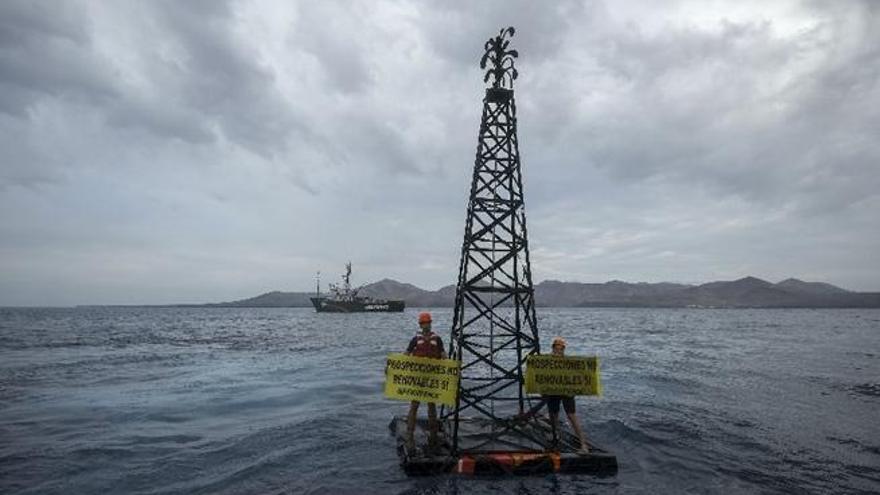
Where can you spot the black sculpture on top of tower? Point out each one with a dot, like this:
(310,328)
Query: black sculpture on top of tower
(501,69)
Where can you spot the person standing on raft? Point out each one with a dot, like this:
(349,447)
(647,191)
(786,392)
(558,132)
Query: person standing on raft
(425,344)
(558,349)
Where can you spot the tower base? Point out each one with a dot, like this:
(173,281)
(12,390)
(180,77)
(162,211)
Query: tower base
(493,448)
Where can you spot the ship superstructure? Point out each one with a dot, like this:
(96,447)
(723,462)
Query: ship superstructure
(344,299)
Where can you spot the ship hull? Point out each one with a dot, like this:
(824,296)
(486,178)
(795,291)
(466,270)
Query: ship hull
(327,305)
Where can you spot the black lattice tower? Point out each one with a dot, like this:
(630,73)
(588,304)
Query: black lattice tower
(494,326)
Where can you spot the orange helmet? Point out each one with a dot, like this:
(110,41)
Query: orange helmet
(424,318)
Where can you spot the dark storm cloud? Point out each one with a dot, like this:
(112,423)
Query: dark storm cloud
(190,79)
(322,31)
(729,130)
(733,107)
(221,80)
(45,51)
(377,145)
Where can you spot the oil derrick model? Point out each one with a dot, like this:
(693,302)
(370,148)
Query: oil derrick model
(494,326)
(494,427)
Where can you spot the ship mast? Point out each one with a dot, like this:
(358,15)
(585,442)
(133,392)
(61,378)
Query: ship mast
(347,277)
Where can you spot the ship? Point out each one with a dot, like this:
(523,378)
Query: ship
(344,299)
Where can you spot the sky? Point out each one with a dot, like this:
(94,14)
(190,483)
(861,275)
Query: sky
(201,151)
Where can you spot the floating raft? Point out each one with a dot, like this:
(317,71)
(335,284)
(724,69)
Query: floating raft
(492,448)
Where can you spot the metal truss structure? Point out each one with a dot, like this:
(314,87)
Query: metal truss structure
(494,326)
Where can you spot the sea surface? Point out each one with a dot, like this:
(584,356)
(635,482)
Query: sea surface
(283,400)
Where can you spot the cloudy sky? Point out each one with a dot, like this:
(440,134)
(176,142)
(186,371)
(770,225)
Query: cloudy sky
(167,151)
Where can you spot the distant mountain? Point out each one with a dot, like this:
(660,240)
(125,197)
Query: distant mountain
(414,296)
(274,299)
(745,292)
(819,288)
(748,292)
(614,293)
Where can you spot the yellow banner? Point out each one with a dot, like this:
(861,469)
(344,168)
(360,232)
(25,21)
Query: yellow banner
(554,375)
(423,379)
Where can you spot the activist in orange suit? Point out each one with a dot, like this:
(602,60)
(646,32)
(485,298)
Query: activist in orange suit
(425,344)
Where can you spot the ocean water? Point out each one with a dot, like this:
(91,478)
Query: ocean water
(190,400)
